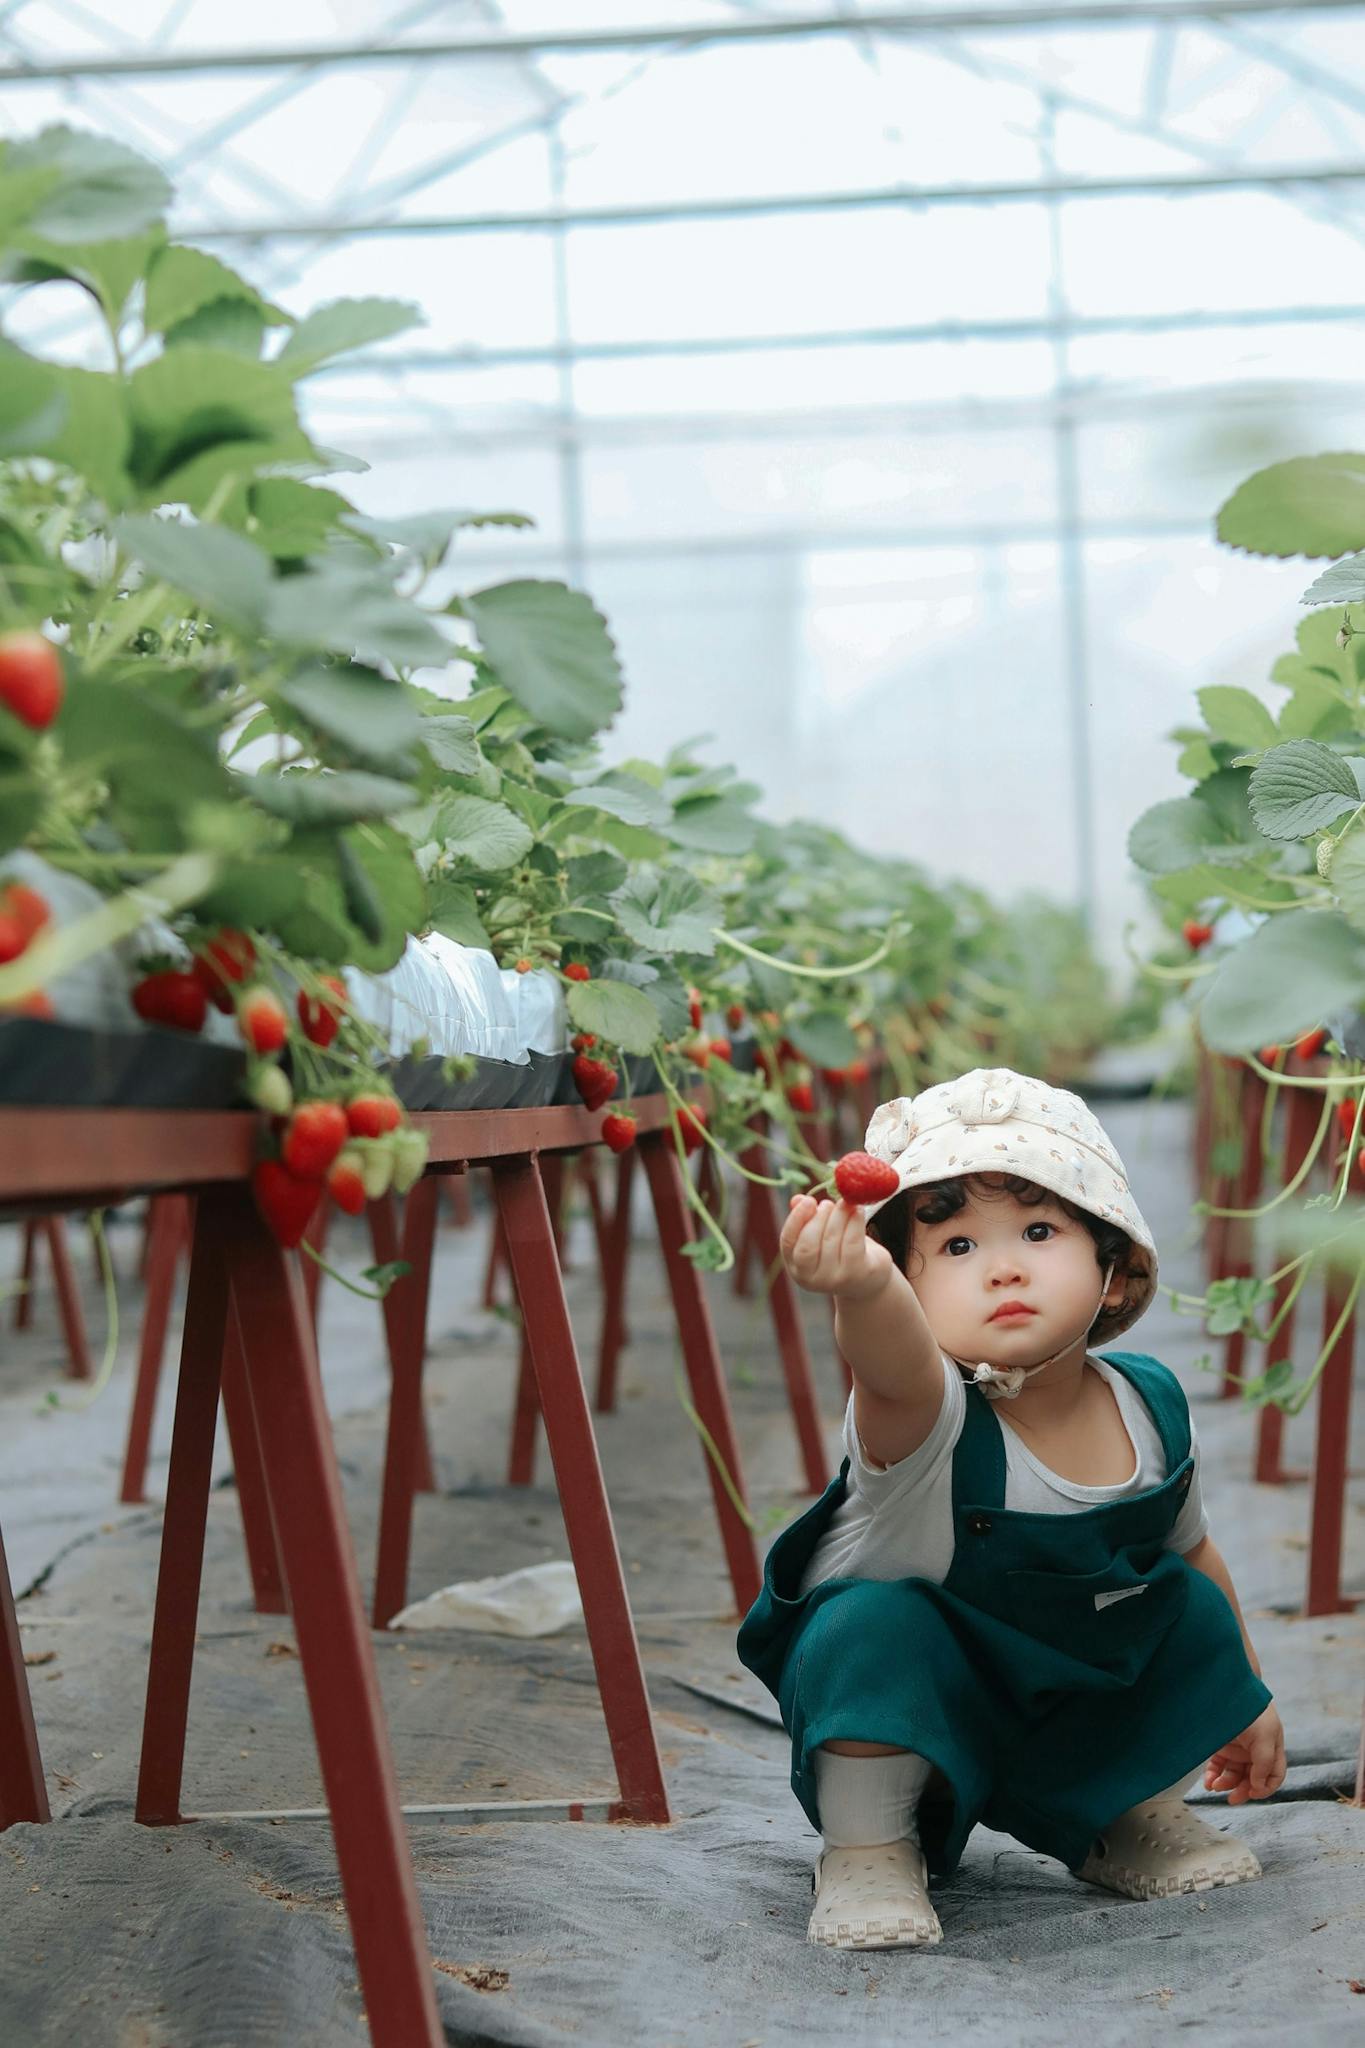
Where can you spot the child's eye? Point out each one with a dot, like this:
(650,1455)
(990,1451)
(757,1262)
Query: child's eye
(1050,1228)
(949,1244)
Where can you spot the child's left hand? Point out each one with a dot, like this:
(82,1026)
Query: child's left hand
(1252,1765)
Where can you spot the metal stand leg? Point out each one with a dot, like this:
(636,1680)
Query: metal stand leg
(526,1215)
(23,1793)
(615,1257)
(78,1366)
(168,1230)
(406,1440)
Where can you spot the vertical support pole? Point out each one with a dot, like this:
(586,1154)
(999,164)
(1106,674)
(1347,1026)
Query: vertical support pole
(1331,1449)
(168,1229)
(182,1528)
(384,1241)
(1300,1125)
(521,1457)
(78,1366)
(23,1300)
(23,1793)
(1246,1188)
(405,1441)
(615,1258)
(704,1370)
(583,1498)
(248,1476)
(334,1644)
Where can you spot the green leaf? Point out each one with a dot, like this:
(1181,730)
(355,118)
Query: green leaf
(1347,879)
(823,1038)
(1296,969)
(32,403)
(1180,833)
(595,874)
(107,270)
(1237,716)
(454,913)
(552,651)
(429,534)
(713,825)
(363,905)
(296,894)
(1310,505)
(489,836)
(156,768)
(621,1014)
(1300,787)
(1343,583)
(21,806)
(395,883)
(354,610)
(182,281)
(621,796)
(1314,714)
(451,742)
(372,716)
(292,519)
(308,797)
(229,324)
(95,435)
(94,190)
(1197,759)
(222,571)
(346,324)
(192,401)
(1193,886)
(667,913)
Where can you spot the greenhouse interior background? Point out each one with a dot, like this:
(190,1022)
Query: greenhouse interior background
(880,381)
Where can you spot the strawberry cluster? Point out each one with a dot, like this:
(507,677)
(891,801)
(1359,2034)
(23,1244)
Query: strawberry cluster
(24,913)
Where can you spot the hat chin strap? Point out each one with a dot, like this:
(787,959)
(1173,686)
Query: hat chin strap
(1005,1386)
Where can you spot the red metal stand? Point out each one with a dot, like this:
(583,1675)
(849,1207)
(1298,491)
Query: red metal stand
(521,1456)
(23,1794)
(52,1229)
(614,1241)
(1300,1125)
(762,1224)
(1236,1261)
(167,1235)
(232,1251)
(525,1217)
(1330,1453)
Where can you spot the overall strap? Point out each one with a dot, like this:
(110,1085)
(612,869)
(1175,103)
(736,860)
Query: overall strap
(1165,1397)
(979,1455)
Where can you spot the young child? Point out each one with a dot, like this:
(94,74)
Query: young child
(1007,1608)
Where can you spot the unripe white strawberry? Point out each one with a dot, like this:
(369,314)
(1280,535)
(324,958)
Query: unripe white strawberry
(1326,848)
(409,1157)
(376,1164)
(268,1086)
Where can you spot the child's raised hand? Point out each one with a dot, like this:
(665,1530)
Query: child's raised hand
(1252,1765)
(826,1249)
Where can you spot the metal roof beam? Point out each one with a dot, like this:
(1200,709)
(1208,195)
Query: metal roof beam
(900,22)
(899,198)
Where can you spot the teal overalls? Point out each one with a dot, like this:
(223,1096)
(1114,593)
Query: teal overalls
(1068,1666)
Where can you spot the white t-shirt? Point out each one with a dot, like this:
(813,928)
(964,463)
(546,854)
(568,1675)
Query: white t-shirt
(897,1522)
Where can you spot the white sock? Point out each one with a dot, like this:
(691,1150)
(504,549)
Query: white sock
(868,1799)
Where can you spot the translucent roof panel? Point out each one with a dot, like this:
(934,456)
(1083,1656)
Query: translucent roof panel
(881,383)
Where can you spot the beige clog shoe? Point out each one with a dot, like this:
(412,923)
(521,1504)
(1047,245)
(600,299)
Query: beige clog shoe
(1160,1848)
(873,1898)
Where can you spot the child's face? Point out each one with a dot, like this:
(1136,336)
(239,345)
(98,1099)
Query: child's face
(999,1250)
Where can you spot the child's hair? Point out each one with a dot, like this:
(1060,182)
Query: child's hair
(893,1225)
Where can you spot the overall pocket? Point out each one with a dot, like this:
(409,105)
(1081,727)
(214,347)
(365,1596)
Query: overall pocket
(1106,1618)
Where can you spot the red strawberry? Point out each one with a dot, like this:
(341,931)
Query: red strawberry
(697,1049)
(320,1019)
(31,684)
(1195,934)
(861,1178)
(1346,1116)
(721,1050)
(619,1132)
(576,971)
(317,1131)
(262,1021)
(833,1077)
(694,1007)
(222,964)
(691,1124)
(764,1064)
(801,1096)
(286,1202)
(38,1004)
(344,1182)
(12,940)
(1310,1045)
(594,1080)
(29,910)
(583,1039)
(369,1116)
(786,1050)
(524,966)
(172,998)
(734,1016)
(857,1070)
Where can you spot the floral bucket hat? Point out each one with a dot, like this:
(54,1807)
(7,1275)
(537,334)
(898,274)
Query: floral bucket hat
(996,1121)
